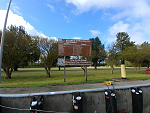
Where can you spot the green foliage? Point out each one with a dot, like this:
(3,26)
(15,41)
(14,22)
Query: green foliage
(34,49)
(146,45)
(98,51)
(137,54)
(128,64)
(15,51)
(19,49)
(122,42)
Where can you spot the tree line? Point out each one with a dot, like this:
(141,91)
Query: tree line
(125,50)
(20,48)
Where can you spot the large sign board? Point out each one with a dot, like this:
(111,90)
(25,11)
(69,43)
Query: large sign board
(80,62)
(74,47)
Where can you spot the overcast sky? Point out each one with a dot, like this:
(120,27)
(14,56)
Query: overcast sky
(80,19)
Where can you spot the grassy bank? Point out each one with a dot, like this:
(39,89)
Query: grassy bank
(36,77)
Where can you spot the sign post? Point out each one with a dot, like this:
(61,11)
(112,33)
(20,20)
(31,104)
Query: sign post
(64,72)
(86,73)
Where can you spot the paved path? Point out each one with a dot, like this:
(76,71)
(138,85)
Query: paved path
(119,82)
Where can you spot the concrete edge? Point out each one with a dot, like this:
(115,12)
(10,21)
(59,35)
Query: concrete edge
(71,91)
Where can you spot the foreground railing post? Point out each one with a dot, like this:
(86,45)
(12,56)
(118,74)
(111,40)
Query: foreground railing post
(2,39)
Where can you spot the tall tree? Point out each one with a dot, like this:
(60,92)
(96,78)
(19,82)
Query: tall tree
(98,51)
(17,30)
(122,42)
(33,49)
(49,56)
(15,50)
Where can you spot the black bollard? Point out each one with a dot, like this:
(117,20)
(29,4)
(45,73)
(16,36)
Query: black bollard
(0,106)
(137,100)
(77,102)
(111,104)
(36,104)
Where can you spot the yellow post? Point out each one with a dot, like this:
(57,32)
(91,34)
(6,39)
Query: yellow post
(123,71)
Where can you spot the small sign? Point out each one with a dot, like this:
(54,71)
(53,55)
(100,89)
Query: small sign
(61,61)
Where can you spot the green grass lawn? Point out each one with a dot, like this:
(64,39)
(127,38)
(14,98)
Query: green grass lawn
(36,77)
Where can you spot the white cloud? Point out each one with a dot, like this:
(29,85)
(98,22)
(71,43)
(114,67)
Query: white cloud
(86,5)
(138,10)
(51,7)
(137,37)
(53,38)
(133,8)
(76,37)
(118,27)
(14,19)
(131,16)
(95,32)
(136,32)
(141,9)
(15,8)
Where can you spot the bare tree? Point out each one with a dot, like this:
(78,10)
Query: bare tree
(49,56)
(112,57)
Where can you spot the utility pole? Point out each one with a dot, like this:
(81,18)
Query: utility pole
(2,39)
